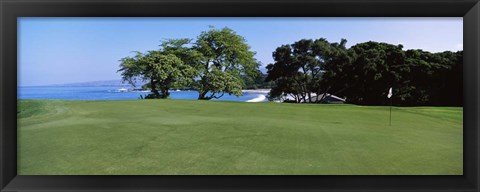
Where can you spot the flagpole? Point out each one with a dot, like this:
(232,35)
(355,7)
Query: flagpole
(391,111)
(390,94)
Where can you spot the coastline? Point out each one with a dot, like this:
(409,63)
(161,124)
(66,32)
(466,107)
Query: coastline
(265,91)
(121,93)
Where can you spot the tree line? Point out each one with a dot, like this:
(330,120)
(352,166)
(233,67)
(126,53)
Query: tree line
(219,62)
(364,73)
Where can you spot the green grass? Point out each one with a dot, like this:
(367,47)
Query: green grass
(170,137)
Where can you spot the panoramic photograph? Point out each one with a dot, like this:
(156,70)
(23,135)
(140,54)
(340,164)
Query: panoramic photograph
(240,96)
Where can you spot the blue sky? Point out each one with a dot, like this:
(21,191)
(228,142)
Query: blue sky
(68,50)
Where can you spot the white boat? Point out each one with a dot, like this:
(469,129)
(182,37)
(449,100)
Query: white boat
(122,90)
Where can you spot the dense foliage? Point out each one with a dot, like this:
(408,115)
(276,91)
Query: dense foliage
(225,57)
(364,72)
(160,69)
(218,62)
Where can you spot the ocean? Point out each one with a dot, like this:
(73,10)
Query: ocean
(117,93)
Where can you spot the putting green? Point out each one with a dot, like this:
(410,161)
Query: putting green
(171,137)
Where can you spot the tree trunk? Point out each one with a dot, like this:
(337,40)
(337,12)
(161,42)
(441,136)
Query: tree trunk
(325,94)
(201,91)
(164,90)
(154,89)
(304,96)
(297,98)
(201,95)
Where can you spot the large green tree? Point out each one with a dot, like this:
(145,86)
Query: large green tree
(299,68)
(160,69)
(374,68)
(222,58)
(435,78)
(451,92)
(335,60)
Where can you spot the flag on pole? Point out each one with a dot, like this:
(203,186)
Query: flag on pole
(390,93)
(389,96)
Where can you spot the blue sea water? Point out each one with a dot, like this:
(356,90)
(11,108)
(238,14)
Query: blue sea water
(110,93)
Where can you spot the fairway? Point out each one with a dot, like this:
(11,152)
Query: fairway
(183,137)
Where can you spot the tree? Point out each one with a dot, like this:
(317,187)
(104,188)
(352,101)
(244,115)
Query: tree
(336,61)
(182,48)
(374,68)
(299,68)
(423,67)
(257,82)
(283,72)
(162,70)
(451,93)
(223,57)
(436,78)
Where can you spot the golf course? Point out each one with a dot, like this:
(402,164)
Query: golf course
(190,137)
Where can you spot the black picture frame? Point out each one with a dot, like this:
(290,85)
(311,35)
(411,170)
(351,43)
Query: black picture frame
(11,9)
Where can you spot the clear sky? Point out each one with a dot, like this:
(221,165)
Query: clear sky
(68,50)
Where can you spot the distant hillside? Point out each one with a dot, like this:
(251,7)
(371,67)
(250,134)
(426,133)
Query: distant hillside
(100,84)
